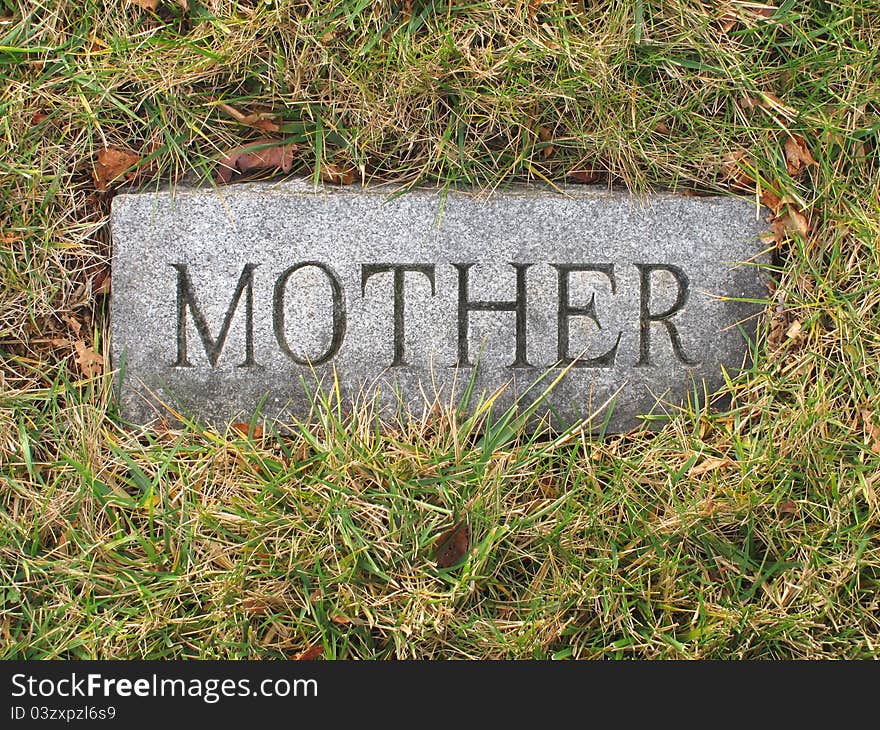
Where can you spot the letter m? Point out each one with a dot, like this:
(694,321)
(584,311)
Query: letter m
(186,300)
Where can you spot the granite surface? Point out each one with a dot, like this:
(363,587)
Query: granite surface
(252,296)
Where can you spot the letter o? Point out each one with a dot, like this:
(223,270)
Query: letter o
(339,318)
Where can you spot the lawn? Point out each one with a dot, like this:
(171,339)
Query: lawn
(748,529)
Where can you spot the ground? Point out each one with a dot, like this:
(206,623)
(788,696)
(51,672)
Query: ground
(741,530)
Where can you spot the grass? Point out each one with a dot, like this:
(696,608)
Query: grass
(117,542)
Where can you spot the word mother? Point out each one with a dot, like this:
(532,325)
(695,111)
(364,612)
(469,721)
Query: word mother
(565,310)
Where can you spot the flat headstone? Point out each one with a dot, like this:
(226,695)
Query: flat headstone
(249,297)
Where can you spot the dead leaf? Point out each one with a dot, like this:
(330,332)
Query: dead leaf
(9,238)
(340,620)
(788,507)
(38,117)
(662,128)
(872,431)
(797,154)
(709,464)
(154,4)
(256,606)
(743,14)
(337,175)
(732,164)
(72,322)
(773,102)
(263,154)
(728,21)
(794,329)
(452,545)
(244,429)
(90,362)
(585,177)
(779,321)
(548,487)
(111,164)
(545,136)
(771,200)
(791,221)
(264,121)
(101,282)
(313,652)
(97,45)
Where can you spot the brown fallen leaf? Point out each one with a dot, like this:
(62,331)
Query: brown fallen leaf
(244,429)
(337,175)
(111,163)
(771,200)
(38,118)
(101,281)
(154,4)
(790,221)
(797,154)
(263,154)
(545,136)
(709,464)
(788,507)
(794,329)
(452,545)
(548,487)
(585,177)
(773,103)
(779,321)
(264,121)
(72,322)
(9,238)
(746,14)
(732,164)
(90,362)
(728,21)
(872,430)
(533,7)
(256,606)
(313,652)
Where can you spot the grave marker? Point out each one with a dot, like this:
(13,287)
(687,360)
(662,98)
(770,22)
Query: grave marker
(227,299)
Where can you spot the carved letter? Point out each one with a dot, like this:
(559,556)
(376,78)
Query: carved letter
(565,311)
(646,318)
(465,306)
(186,299)
(339,318)
(367,270)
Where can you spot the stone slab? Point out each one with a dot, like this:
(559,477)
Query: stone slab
(249,296)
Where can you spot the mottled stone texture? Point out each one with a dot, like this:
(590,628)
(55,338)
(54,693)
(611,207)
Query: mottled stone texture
(246,297)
